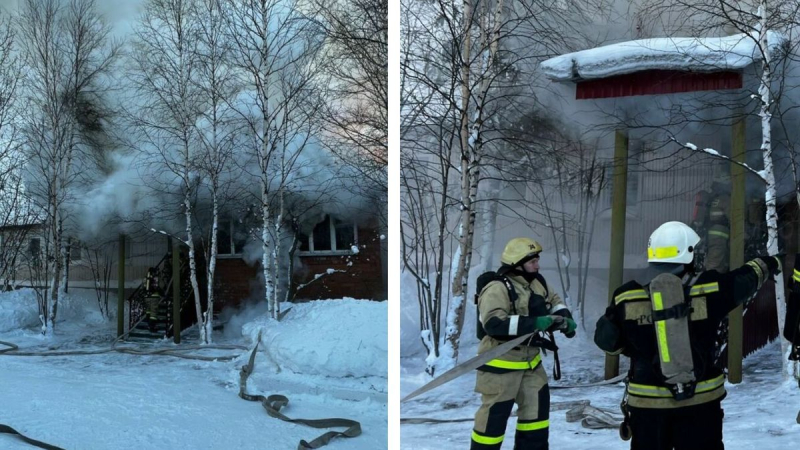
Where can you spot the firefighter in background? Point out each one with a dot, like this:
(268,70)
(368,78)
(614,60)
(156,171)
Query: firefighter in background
(516,303)
(756,228)
(667,328)
(791,325)
(711,221)
(152,298)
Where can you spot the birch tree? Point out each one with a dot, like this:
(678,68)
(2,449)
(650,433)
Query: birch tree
(166,65)
(216,128)
(356,114)
(459,62)
(273,47)
(15,213)
(68,56)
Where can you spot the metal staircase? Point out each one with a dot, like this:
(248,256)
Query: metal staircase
(142,326)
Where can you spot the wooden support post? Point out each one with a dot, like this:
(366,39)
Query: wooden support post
(617,249)
(176,291)
(735,322)
(121,287)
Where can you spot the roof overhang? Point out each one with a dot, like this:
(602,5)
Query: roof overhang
(656,82)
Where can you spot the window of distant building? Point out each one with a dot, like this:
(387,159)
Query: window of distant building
(75,251)
(331,236)
(34,250)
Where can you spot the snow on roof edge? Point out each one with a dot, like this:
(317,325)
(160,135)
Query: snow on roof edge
(673,53)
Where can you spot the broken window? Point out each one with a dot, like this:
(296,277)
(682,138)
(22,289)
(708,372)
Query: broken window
(331,235)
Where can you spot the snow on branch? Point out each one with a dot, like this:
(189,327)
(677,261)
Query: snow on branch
(186,243)
(318,277)
(710,151)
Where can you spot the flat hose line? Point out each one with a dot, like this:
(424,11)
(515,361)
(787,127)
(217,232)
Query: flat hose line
(590,416)
(273,404)
(34,442)
(13,350)
(577,411)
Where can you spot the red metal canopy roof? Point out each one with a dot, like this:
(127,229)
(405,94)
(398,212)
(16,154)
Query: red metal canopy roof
(655,82)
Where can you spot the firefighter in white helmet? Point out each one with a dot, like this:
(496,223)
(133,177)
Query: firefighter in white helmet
(667,327)
(512,302)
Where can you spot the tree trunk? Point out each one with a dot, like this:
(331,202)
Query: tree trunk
(769,175)
(187,205)
(269,287)
(212,264)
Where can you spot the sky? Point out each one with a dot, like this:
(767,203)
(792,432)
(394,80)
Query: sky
(120,14)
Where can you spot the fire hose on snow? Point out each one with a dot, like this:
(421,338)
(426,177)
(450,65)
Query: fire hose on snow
(590,416)
(272,404)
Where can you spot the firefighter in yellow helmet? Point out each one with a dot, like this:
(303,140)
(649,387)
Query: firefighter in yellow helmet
(667,327)
(515,301)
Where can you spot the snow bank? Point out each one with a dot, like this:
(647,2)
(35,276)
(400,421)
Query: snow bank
(19,309)
(677,53)
(337,338)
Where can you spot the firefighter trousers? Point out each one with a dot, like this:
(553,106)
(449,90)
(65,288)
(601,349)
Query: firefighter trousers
(499,391)
(696,427)
(717,255)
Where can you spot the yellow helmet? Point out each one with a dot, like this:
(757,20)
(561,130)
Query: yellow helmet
(519,250)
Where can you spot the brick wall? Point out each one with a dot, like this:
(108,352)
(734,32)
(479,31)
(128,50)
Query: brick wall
(363,279)
(234,279)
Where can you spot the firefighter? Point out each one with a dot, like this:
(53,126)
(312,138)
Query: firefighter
(674,390)
(711,220)
(517,304)
(152,299)
(791,326)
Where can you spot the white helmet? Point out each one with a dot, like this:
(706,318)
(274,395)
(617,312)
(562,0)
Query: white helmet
(672,242)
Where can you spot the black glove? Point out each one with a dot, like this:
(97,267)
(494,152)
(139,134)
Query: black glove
(773,263)
(607,335)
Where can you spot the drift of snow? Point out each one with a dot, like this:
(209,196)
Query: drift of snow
(676,53)
(341,338)
(328,357)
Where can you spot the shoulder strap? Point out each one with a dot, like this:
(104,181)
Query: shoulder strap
(512,293)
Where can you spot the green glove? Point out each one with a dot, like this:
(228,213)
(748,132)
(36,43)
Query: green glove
(543,323)
(569,330)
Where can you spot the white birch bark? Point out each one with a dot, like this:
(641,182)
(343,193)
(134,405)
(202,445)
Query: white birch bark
(471,153)
(188,212)
(276,255)
(212,265)
(491,195)
(769,174)
(269,287)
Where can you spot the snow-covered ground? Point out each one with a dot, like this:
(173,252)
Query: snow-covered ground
(759,413)
(328,357)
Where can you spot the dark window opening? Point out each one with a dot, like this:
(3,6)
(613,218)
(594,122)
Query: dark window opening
(75,251)
(322,235)
(34,248)
(345,235)
(224,238)
(302,240)
(239,239)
